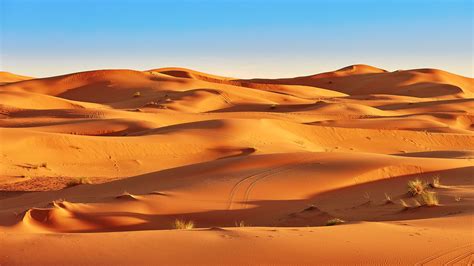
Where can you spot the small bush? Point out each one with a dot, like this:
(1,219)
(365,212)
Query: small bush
(367,197)
(429,199)
(334,221)
(240,224)
(388,199)
(404,204)
(181,224)
(436,183)
(416,187)
(137,94)
(78,181)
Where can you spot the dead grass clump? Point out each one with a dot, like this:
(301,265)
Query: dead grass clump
(367,197)
(436,183)
(153,104)
(240,224)
(182,224)
(404,204)
(388,199)
(78,181)
(429,199)
(334,221)
(416,187)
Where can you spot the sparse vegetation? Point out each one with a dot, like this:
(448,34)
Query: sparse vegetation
(367,197)
(416,187)
(137,94)
(436,182)
(334,221)
(404,204)
(429,199)
(154,104)
(388,199)
(240,224)
(417,203)
(182,224)
(78,181)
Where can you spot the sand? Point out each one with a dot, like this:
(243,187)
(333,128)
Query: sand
(97,166)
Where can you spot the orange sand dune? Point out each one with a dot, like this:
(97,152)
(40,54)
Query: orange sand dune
(363,80)
(96,159)
(7,77)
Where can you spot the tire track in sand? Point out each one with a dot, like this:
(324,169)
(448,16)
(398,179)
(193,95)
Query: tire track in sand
(237,185)
(460,253)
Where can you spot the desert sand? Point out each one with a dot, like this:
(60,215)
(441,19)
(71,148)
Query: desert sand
(97,166)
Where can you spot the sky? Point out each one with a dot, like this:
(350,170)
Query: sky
(237,38)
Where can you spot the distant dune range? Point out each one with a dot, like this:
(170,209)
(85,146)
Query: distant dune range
(99,165)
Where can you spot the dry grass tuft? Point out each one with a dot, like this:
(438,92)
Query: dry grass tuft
(429,199)
(367,197)
(416,187)
(78,181)
(404,204)
(240,224)
(388,199)
(334,221)
(436,183)
(182,224)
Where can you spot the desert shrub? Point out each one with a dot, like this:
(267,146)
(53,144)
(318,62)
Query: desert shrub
(429,198)
(78,181)
(388,199)
(436,182)
(416,187)
(182,224)
(240,224)
(334,221)
(367,196)
(404,204)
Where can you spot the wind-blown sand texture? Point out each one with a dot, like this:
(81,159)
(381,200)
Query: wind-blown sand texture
(96,167)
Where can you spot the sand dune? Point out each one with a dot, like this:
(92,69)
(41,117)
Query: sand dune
(96,159)
(7,77)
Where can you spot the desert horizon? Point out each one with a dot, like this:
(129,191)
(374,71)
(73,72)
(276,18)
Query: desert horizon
(358,165)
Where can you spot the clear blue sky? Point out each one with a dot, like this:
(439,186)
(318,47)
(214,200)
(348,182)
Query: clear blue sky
(241,38)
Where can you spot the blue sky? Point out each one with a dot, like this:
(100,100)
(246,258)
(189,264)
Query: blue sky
(240,38)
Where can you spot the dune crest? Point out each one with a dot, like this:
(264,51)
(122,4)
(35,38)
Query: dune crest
(7,77)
